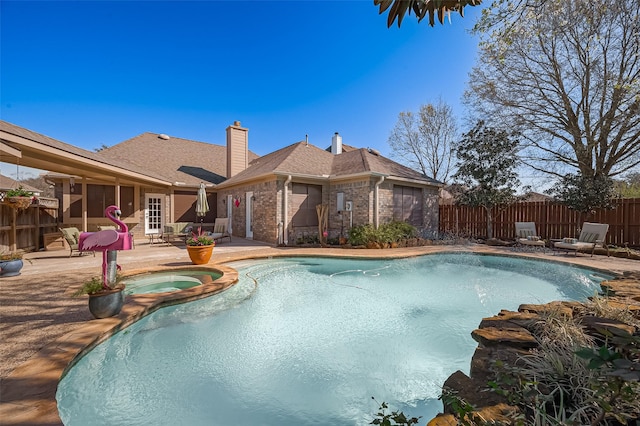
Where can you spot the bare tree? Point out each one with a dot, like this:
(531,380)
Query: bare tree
(424,141)
(566,74)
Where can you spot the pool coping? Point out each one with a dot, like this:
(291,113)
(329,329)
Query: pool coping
(31,398)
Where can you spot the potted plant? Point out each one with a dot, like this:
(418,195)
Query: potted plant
(19,198)
(10,264)
(200,247)
(104,300)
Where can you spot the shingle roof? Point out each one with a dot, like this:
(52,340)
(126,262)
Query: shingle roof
(71,149)
(176,159)
(375,163)
(45,140)
(345,148)
(298,158)
(305,159)
(8,183)
(191,162)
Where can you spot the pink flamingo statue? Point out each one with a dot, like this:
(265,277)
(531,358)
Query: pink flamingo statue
(108,241)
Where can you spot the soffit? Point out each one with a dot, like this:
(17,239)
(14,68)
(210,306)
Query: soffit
(41,152)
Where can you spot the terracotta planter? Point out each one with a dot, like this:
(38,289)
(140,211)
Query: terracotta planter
(10,268)
(200,255)
(106,303)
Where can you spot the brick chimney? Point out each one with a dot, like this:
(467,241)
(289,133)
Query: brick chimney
(336,144)
(237,149)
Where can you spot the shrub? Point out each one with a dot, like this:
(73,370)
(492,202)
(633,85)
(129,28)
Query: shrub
(362,234)
(397,230)
(387,233)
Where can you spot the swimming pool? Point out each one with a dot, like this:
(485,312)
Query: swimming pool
(309,341)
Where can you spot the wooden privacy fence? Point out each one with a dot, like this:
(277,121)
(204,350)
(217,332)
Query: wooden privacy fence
(553,220)
(24,229)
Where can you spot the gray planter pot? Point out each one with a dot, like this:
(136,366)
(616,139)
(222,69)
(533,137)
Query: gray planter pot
(10,268)
(106,303)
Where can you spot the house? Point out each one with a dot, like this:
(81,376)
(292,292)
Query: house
(274,199)
(154,179)
(7,184)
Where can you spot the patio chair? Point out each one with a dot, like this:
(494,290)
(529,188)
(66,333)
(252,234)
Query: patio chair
(71,236)
(221,229)
(527,235)
(592,236)
(179,230)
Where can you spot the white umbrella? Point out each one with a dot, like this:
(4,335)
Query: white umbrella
(202,205)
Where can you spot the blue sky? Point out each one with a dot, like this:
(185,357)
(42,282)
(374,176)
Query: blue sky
(91,73)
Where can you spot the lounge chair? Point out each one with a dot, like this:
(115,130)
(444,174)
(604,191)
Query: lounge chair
(527,235)
(221,229)
(592,236)
(71,236)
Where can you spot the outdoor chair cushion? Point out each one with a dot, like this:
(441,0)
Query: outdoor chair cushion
(527,235)
(592,235)
(221,229)
(72,236)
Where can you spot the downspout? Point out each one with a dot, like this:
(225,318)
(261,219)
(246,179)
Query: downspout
(286,211)
(376,195)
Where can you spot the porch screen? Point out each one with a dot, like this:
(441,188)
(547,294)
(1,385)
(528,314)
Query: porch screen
(407,204)
(99,197)
(75,208)
(126,201)
(304,200)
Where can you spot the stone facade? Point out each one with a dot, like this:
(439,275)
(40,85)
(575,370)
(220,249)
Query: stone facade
(506,337)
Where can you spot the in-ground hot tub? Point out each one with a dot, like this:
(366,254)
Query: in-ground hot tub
(169,281)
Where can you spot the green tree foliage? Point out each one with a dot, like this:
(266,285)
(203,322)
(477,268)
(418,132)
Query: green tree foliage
(486,177)
(424,141)
(584,193)
(422,8)
(630,186)
(566,76)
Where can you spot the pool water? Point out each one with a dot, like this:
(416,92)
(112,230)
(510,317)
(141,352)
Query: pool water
(309,341)
(165,282)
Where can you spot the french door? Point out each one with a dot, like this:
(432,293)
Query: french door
(153,213)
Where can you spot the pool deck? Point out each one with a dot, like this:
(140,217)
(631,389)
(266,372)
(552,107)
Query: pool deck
(43,328)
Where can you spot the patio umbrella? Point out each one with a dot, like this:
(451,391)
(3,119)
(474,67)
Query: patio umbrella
(202,205)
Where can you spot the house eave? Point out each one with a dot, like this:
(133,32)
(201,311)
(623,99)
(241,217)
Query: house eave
(62,161)
(416,181)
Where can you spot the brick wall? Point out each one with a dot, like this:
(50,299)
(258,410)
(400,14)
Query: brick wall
(266,209)
(360,193)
